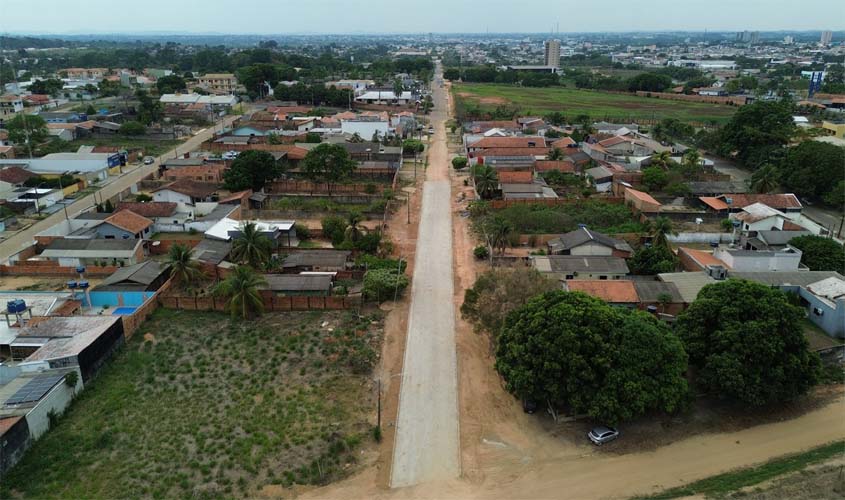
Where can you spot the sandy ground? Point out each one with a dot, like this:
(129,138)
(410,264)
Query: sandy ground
(508,454)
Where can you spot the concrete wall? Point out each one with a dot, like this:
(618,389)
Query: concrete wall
(591,249)
(699,237)
(57,400)
(831,319)
(780,261)
(107,230)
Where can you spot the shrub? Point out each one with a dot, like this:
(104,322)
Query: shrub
(334,228)
(71,379)
(302,231)
(381,284)
(370,188)
(372,262)
(459,162)
(481,252)
(142,198)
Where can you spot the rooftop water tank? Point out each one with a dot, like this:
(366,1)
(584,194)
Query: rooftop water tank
(80,269)
(72,284)
(83,284)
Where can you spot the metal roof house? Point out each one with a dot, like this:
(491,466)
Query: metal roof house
(583,241)
(586,267)
(299,284)
(147,276)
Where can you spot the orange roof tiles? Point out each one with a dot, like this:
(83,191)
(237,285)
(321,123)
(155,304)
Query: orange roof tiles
(564,142)
(778,201)
(703,258)
(149,208)
(511,152)
(713,202)
(519,177)
(642,196)
(129,220)
(509,142)
(614,291)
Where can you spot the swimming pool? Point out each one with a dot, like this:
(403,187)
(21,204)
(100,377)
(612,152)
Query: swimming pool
(124,311)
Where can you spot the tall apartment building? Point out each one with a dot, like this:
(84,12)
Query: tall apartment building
(826,37)
(755,37)
(552,53)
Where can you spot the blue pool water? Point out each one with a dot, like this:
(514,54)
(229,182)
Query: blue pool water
(123,311)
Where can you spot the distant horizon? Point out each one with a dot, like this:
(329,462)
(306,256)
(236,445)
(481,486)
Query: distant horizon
(323,17)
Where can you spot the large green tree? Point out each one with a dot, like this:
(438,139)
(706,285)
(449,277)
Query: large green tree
(241,288)
(747,343)
(149,109)
(251,170)
(812,169)
(170,84)
(652,259)
(757,132)
(251,247)
(23,127)
(329,163)
(575,351)
(820,253)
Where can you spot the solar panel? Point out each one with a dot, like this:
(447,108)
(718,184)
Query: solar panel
(35,389)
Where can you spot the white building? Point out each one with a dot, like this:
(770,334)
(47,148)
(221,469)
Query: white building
(10,104)
(385,97)
(366,126)
(826,37)
(786,259)
(552,53)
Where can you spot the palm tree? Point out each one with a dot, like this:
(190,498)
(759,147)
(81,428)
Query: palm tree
(398,88)
(556,154)
(241,288)
(184,270)
(251,247)
(498,232)
(765,179)
(692,158)
(662,159)
(356,137)
(661,228)
(486,181)
(354,230)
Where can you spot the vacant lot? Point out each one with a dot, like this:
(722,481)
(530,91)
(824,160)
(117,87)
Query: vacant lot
(598,105)
(596,214)
(198,405)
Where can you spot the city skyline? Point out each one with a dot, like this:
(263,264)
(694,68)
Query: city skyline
(438,16)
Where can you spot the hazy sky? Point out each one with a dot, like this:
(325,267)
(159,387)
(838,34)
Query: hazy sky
(440,16)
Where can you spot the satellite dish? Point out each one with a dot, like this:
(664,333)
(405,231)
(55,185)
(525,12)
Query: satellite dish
(698,220)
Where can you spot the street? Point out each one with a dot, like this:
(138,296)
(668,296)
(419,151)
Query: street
(24,238)
(426,448)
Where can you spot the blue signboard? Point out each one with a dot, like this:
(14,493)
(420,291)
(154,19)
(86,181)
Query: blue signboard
(815,83)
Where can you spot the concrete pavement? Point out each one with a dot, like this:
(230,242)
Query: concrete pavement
(427,443)
(23,239)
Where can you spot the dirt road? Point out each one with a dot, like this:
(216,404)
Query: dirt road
(426,444)
(23,239)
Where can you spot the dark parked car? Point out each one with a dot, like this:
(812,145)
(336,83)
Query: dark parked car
(529,406)
(601,434)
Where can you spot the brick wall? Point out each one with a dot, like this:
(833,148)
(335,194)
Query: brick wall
(729,100)
(271,303)
(292,186)
(164,245)
(551,202)
(52,268)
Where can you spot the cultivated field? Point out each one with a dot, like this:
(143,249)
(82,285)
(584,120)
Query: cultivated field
(599,105)
(200,406)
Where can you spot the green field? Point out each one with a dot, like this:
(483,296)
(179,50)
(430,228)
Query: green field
(598,105)
(199,406)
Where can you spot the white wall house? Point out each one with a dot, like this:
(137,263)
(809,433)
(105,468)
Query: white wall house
(787,259)
(365,128)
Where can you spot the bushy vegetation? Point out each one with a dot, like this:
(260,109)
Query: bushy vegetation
(820,253)
(383,284)
(747,343)
(371,262)
(599,215)
(196,405)
(576,352)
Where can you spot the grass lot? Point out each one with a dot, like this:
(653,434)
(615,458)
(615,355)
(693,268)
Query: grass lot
(199,406)
(598,215)
(599,105)
(723,484)
(148,147)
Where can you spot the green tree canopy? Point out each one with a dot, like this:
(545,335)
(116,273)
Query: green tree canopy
(648,260)
(185,270)
(251,170)
(573,350)
(50,86)
(747,342)
(132,128)
(22,127)
(383,284)
(170,84)
(241,289)
(812,169)
(149,109)
(820,253)
(655,178)
(757,132)
(329,163)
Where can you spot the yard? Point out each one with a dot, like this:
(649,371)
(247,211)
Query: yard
(574,102)
(148,147)
(197,405)
(596,214)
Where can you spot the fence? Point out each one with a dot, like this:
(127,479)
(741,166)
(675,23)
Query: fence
(553,202)
(131,322)
(727,100)
(293,186)
(52,268)
(271,303)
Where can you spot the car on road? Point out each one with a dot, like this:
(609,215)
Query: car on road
(430,130)
(602,434)
(230,155)
(149,160)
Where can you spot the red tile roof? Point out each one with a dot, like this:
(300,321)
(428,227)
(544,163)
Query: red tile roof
(510,152)
(548,165)
(190,188)
(778,201)
(703,258)
(563,142)
(15,175)
(714,202)
(129,220)
(615,291)
(510,142)
(149,208)
(642,196)
(518,177)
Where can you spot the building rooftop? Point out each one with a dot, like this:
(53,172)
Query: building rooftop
(297,282)
(650,291)
(65,335)
(782,278)
(319,258)
(129,221)
(688,284)
(211,251)
(614,291)
(578,263)
(144,273)
(149,208)
(583,235)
